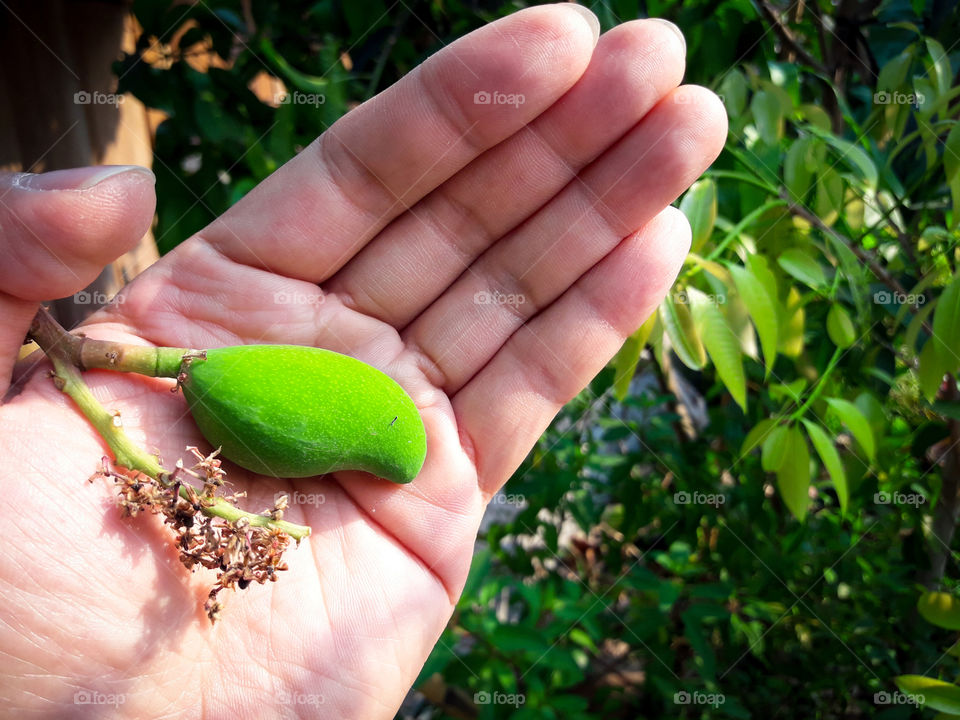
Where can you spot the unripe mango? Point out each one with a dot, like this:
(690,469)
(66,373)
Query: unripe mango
(292,411)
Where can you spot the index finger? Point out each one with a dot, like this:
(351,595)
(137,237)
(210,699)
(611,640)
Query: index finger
(311,216)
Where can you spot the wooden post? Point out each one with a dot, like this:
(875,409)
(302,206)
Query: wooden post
(58,110)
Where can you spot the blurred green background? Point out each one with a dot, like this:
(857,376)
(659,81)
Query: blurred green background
(752,511)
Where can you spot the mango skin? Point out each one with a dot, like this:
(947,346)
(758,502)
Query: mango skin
(291,411)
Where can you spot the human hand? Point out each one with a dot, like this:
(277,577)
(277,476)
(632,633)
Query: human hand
(490,257)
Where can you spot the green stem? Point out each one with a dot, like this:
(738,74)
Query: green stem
(69,381)
(87,354)
(818,389)
(57,344)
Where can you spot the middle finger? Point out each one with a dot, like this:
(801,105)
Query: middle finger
(422,252)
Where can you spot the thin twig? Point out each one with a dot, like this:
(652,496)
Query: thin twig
(789,39)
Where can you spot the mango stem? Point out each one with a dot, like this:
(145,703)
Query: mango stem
(87,354)
(65,351)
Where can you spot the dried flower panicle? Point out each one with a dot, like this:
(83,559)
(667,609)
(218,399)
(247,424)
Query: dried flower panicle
(241,552)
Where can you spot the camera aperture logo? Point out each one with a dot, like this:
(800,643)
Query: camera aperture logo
(682,298)
(95,297)
(885,297)
(298,298)
(485,97)
(286,697)
(885,97)
(91,697)
(698,498)
(499,698)
(300,98)
(301,498)
(696,697)
(897,698)
(486,297)
(899,498)
(85,97)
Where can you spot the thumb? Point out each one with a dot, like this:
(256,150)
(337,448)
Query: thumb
(57,232)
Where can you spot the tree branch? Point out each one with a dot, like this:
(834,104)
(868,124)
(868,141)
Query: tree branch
(789,39)
(947,512)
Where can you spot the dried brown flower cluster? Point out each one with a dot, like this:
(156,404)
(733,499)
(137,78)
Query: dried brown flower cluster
(241,552)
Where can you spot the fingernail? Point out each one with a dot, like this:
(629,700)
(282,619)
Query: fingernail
(587,15)
(82,178)
(675,29)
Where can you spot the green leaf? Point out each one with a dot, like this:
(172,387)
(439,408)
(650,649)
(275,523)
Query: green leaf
(758,265)
(307,83)
(791,325)
(951,167)
(851,416)
(580,637)
(733,89)
(679,327)
(711,266)
(757,435)
(700,207)
(762,309)
(721,343)
(774,449)
(894,73)
(831,461)
(625,361)
(941,75)
(739,321)
(946,326)
(873,411)
(816,116)
(840,327)
(940,609)
(803,267)
(916,325)
(931,371)
(793,476)
(791,391)
(796,174)
(937,694)
(918,297)
(829,199)
(768,117)
(853,155)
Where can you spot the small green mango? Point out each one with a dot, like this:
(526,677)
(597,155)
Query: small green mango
(291,411)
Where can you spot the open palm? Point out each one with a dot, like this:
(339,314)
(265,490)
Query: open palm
(490,256)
